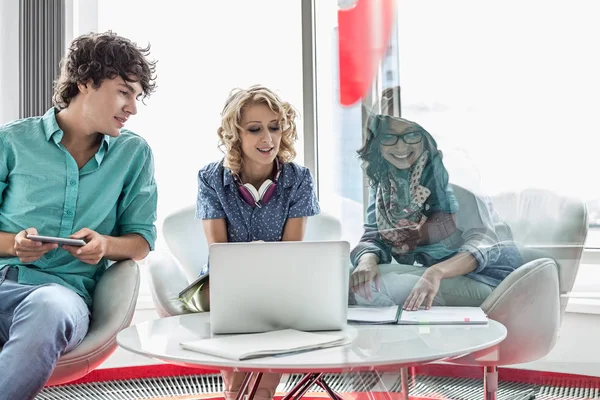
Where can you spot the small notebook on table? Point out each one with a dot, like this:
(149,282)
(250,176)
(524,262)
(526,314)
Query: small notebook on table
(254,345)
(434,316)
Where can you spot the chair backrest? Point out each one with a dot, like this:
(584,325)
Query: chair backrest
(544,223)
(323,227)
(184,235)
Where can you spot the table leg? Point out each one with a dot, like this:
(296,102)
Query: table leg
(300,389)
(308,380)
(244,386)
(255,385)
(308,385)
(404,382)
(328,389)
(382,386)
(490,383)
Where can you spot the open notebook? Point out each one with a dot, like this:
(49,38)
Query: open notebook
(374,315)
(434,316)
(444,316)
(254,345)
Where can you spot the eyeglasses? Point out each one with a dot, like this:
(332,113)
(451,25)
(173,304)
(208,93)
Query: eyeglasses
(389,139)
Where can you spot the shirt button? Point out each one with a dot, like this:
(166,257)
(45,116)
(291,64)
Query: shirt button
(72,182)
(48,256)
(69,212)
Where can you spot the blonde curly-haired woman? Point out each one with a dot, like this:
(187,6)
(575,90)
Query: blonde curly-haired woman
(256,192)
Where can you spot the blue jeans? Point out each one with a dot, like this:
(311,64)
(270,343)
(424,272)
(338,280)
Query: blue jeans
(38,323)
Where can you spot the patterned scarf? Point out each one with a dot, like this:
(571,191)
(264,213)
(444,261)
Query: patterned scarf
(400,205)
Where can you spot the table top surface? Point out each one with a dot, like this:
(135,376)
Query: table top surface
(373,347)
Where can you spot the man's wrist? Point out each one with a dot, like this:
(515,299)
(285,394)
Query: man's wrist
(8,244)
(10,250)
(109,244)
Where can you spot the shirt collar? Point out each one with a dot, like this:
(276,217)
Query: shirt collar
(106,141)
(51,128)
(285,178)
(227,176)
(53,131)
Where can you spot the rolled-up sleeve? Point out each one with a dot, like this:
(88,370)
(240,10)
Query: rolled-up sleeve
(479,235)
(208,205)
(371,241)
(137,208)
(304,202)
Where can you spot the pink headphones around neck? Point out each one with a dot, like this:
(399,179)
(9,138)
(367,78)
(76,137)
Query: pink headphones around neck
(256,198)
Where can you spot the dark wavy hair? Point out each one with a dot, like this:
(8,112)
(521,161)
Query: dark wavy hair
(376,167)
(100,56)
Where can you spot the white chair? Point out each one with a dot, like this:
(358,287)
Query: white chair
(114,303)
(532,300)
(174,267)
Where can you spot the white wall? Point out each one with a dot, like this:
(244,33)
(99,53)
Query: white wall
(9,60)
(81,16)
(576,351)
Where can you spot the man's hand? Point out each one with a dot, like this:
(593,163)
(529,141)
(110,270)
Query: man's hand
(93,251)
(29,251)
(424,291)
(366,272)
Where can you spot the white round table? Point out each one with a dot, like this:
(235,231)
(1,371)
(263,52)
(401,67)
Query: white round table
(373,347)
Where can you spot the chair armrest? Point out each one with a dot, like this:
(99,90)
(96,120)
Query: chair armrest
(113,306)
(527,303)
(116,296)
(167,279)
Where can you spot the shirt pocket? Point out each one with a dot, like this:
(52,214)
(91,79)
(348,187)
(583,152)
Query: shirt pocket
(34,199)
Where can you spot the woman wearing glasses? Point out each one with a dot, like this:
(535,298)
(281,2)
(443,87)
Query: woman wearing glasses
(412,218)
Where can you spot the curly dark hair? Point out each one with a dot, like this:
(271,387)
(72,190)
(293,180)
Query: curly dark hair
(375,165)
(100,56)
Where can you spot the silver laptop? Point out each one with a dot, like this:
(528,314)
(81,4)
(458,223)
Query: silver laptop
(261,287)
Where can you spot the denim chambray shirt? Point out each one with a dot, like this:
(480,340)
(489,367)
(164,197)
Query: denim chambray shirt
(218,197)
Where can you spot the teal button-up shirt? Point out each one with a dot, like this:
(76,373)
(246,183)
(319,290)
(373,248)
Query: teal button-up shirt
(41,186)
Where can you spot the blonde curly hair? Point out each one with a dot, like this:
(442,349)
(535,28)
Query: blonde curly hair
(231,117)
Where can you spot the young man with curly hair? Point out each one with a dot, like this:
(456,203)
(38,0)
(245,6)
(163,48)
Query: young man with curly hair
(73,172)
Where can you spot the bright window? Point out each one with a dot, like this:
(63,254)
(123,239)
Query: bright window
(513,86)
(508,89)
(204,49)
